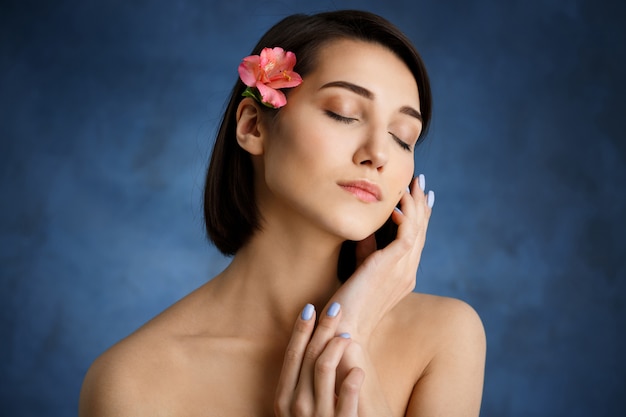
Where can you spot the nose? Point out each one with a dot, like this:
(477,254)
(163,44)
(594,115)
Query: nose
(373,151)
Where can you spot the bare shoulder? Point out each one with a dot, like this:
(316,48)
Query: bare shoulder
(445,317)
(182,361)
(128,378)
(428,325)
(446,327)
(433,322)
(120,377)
(451,337)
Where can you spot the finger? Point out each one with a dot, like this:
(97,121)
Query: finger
(326,373)
(413,196)
(348,401)
(430,200)
(325,331)
(407,203)
(412,235)
(412,224)
(420,184)
(398,212)
(407,216)
(294,354)
(419,206)
(421,181)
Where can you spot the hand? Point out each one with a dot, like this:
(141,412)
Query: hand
(308,384)
(386,276)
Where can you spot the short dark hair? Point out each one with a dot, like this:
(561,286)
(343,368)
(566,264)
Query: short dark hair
(230,210)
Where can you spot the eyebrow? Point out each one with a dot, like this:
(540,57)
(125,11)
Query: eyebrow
(411,112)
(364,92)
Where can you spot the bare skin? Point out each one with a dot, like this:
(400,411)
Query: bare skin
(222,349)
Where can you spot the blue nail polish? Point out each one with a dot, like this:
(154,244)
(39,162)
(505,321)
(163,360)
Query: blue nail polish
(430,200)
(345,335)
(398,210)
(307,313)
(333,310)
(422,181)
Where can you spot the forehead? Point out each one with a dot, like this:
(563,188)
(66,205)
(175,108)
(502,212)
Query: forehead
(367,64)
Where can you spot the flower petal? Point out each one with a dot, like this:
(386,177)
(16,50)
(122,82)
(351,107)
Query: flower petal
(286,79)
(289,60)
(269,71)
(274,97)
(249,70)
(272,58)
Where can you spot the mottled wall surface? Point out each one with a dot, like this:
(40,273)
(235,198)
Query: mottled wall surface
(107,110)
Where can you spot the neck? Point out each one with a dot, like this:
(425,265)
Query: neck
(274,276)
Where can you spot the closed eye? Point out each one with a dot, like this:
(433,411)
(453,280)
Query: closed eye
(400,142)
(349,120)
(339,117)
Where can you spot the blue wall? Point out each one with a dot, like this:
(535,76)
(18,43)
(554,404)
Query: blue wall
(107,110)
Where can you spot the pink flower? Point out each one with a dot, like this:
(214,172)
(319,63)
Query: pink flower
(269,71)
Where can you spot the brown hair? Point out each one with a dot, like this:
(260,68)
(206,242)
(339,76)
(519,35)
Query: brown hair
(230,210)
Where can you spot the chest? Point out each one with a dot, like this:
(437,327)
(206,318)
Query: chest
(223,380)
(231,379)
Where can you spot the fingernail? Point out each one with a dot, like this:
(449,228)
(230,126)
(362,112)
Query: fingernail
(408,190)
(333,310)
(345,335)
(422,181)
(430,200)
(397,209)
(307,313)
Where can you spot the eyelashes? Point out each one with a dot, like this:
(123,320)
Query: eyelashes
(349,120)
(340,118)
(400,142)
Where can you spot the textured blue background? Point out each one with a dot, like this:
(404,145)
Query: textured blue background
(107,112)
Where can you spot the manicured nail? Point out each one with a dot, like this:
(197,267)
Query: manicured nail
(333,310)
(408,190)
(345,335)
(422,181)
(307,313)
(398,210)
(430,200)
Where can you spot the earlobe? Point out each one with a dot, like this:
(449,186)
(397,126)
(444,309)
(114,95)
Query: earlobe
(249,129)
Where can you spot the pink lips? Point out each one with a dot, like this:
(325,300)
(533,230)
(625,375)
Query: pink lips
(363,190)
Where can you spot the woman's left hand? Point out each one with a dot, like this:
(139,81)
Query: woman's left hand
(386,276)
(383,278)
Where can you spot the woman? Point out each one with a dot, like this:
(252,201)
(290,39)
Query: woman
(309,160)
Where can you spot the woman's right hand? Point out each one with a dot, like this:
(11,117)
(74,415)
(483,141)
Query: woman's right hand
(308,384)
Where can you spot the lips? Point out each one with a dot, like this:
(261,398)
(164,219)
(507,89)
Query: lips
(363,190)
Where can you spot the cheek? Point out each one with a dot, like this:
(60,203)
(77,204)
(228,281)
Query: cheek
(290,161)
(404,174)
(306,141)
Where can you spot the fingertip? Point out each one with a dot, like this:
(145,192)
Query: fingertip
(430,199)
(307,312)
(333,310)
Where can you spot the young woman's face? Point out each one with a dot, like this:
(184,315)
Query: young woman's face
(340,154)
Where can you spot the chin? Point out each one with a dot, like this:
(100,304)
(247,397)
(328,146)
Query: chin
(359,231)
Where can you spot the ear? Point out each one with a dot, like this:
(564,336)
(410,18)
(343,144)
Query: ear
(249,128)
